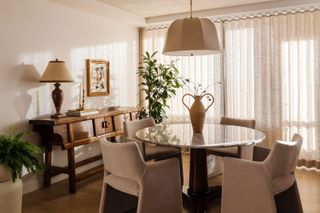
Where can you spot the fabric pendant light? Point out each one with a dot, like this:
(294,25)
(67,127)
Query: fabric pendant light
(191,36)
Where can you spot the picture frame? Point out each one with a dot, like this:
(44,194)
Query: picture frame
(98,77)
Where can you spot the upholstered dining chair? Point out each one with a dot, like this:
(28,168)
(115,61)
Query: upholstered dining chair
(156,185)
(237,152)
(268,186)
(240,151)
(150,151)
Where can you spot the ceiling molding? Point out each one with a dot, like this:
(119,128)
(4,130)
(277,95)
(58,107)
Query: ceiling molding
(103,10)
(152,8)
(236,10)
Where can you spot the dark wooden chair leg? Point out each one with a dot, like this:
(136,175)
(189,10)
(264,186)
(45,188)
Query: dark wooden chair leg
(239,151)
(289,200)
(181,169)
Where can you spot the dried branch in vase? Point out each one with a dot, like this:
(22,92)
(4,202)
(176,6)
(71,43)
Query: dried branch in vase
(196,88)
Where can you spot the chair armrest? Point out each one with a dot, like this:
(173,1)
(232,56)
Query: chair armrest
(246,187)
(161,189)
(260,153)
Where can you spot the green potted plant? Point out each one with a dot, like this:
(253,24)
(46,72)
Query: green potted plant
(15,154)
(159,83)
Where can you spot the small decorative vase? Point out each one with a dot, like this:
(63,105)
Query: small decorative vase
(197,111)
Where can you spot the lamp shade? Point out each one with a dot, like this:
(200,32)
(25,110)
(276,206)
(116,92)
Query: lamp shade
(56,71)
(191,36)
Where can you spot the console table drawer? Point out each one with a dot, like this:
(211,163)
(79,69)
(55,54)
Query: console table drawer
(108,124)
(103,125)
(82,130)
(98,123)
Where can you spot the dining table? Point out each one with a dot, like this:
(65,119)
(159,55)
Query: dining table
(181,135)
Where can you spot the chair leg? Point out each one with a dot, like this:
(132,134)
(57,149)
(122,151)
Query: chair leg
(181,169)
(102,199)
(239,152)
(289,200)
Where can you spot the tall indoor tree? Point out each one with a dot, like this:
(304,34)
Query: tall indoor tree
(159,83)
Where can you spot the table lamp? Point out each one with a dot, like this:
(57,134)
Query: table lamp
(57,72)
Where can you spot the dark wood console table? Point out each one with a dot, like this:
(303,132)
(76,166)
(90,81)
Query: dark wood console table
(70,132)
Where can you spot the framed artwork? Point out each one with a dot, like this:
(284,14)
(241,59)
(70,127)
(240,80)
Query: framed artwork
(98,78)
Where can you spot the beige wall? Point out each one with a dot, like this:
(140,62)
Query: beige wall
(32,32)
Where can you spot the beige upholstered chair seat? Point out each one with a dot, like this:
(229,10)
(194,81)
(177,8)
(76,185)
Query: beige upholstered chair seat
(282,183)
(123,184)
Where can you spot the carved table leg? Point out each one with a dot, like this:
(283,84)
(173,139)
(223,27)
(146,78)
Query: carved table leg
(48,163)
(72,171)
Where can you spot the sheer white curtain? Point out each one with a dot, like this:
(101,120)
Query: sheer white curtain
(272,75)
(205,70)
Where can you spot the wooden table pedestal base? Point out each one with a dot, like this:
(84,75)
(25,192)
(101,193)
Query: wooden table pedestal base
(199,194)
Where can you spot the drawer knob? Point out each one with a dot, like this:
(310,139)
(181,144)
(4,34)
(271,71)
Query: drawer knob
(105,124)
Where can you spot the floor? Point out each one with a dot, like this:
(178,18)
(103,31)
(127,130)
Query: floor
(57,199)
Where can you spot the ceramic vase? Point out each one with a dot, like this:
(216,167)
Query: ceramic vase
(197,111)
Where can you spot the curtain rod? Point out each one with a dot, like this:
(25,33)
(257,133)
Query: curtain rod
(248,16)
(267,14)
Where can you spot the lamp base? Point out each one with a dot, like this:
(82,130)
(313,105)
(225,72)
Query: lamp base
(57,98)
(57,116)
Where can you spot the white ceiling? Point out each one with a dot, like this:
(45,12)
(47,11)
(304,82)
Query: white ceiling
(147,12)
(152,8)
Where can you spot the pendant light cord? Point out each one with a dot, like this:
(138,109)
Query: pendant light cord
(190,8)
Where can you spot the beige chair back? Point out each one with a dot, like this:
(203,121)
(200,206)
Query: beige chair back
(238,122)
(283,157)
(130,166)
(131,127)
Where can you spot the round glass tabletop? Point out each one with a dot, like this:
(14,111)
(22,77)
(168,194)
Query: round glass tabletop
(213,135)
